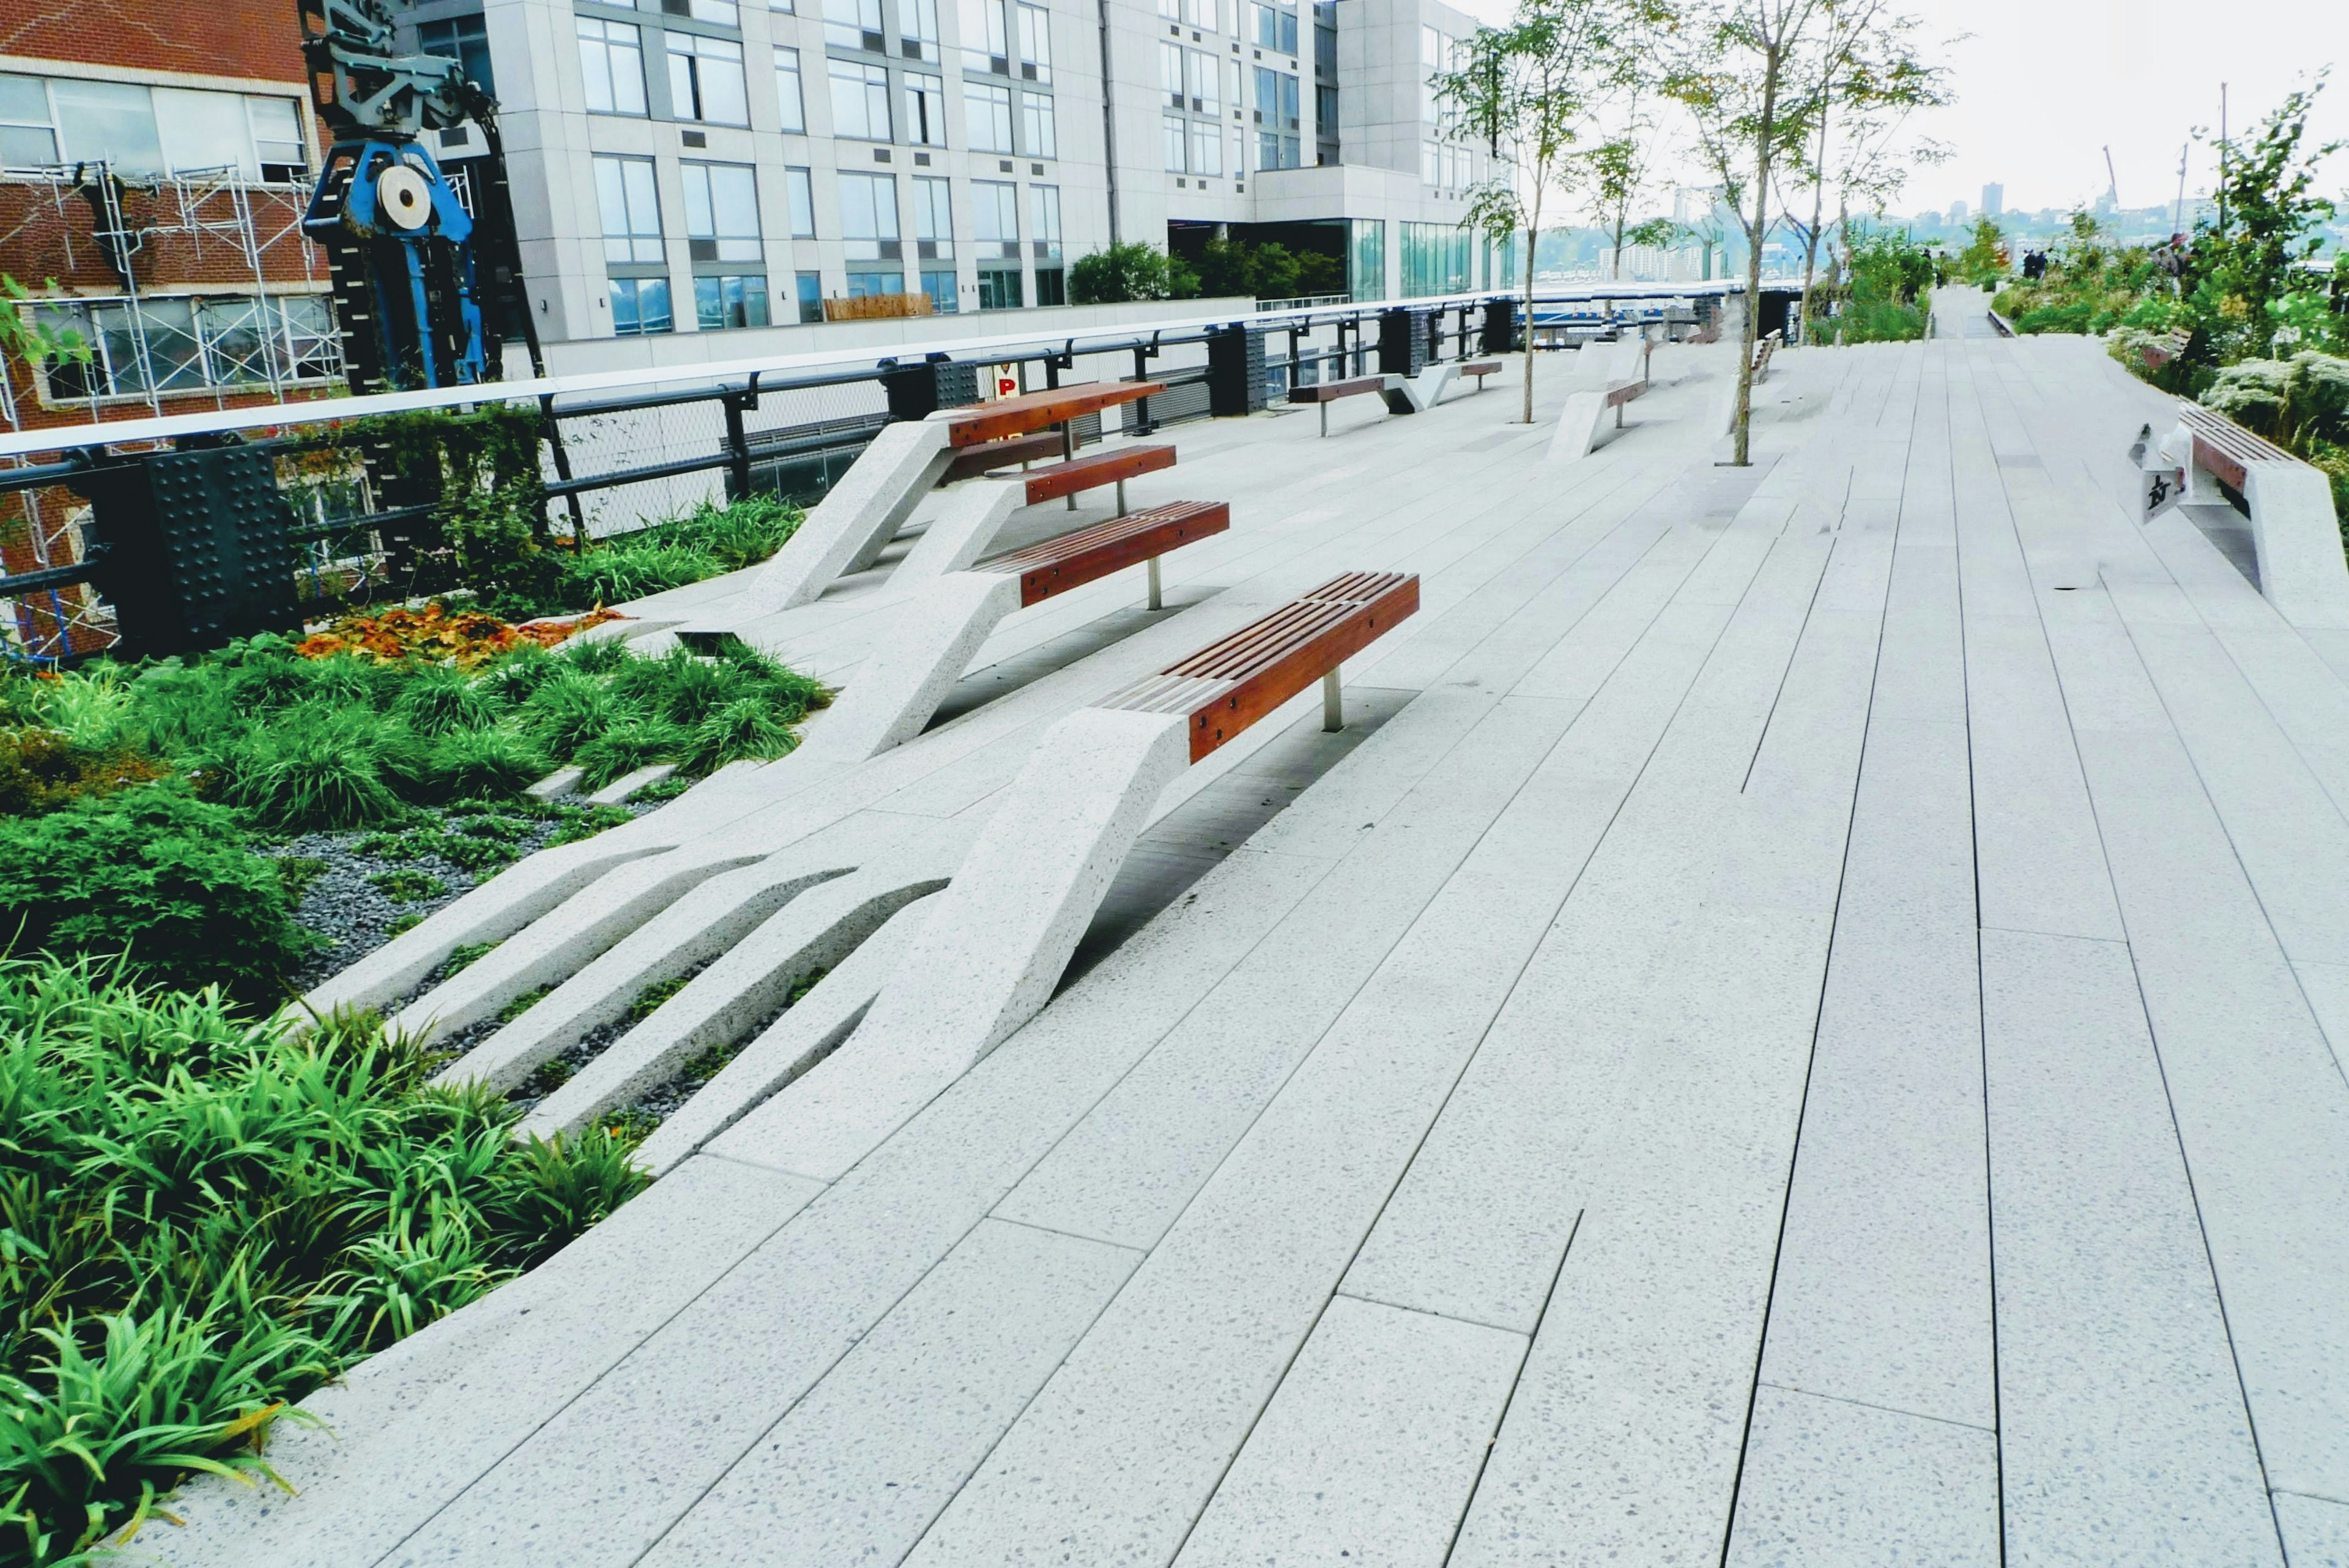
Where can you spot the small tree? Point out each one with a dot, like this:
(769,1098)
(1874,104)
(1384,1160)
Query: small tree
(1121,273)
(1526,91)
(1733,72)
(2249,276)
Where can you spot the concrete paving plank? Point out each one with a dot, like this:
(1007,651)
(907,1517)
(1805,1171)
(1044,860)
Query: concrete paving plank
(861,1466)
(1367,1453)
(1831,1484)
(2125,1437)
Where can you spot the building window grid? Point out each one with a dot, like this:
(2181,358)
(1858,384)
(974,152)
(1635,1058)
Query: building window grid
(640,307)
(925,109)
(1038,132)
(799,188)
(854,25)
(986,114)
(1044,223)
(868,219)
(629,205)
(1277,118)
(933,218)
(191,345)
(994,219)
(1035,43)
(729,300)
(860,101)
(706,81)
(612,64)
(918,30)
(985,47)
(721,212)
(790,92)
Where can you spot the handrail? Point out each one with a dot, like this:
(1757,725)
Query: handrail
(822,367)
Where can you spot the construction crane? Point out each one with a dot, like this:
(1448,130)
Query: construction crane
(416,276)
(2113,184)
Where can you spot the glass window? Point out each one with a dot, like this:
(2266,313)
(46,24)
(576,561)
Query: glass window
(860,101)
(800,186)
(720,303)
(705,80)
(1206,148)
(995,217)
(1035,43)
(918,30)
(112,120)
(933,218)
(721,212)
(861,284)
(1203,74)
(1052,285)
(1171,9)
(925,109)
(988,111)
(854,25)
(277,142)
(208,131)
(984,47)
(28,137)
(1276,119)
(640,306)
(1368,263)
(939,285)
(788,90)
(1276,26)
(464,40)
(999,288)
(1044,223)
(1325,38)
(811,292)
(1325,112)
(868,216)
(631,211)
(1178,143)
(1206,13)
(1039,136)
(611,59)
(722,12)
(1431,167)
(1170,74)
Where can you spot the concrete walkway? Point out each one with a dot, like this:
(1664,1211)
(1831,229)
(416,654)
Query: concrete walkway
(1807,1030)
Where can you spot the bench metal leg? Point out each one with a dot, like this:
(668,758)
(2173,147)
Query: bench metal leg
(1333,706)
(1069,450)
(1618,416)
(1156,601)
(1325,417)
(1120,497)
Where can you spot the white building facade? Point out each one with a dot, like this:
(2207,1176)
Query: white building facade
(684,166)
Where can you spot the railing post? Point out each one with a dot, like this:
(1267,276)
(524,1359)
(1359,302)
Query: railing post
(737,448)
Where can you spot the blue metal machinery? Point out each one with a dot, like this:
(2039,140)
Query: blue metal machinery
(405,255)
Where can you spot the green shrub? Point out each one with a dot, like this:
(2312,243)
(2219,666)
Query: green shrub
(155,873)
(208,1216)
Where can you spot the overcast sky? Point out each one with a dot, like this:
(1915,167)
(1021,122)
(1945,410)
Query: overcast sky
(2044,86)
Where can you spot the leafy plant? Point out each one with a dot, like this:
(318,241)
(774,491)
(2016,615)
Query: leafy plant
(1128,271)
(156,874)
(203,1216)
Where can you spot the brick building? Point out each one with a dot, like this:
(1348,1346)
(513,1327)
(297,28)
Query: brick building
(155,161)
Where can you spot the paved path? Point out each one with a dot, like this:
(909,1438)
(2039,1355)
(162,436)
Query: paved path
(1800,1036)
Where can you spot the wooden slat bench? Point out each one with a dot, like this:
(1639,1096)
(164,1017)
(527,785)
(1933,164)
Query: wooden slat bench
(2294,534)
(1761,352)
(1235,680)
(1480,369)
(1055,565)
(1113,465)
(2165,348)
(1328,392)
(1032,411)
(973,461)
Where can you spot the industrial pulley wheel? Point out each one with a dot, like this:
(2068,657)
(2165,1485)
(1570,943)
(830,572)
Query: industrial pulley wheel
(403,197)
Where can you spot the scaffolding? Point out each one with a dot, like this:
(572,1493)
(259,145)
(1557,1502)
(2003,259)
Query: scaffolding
(247,343)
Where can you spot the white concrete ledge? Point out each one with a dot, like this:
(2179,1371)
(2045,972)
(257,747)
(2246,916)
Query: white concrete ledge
(817,931)
(989,955)
(617,792)
(931,640)
(811,1030)
(862,512)
(974,513)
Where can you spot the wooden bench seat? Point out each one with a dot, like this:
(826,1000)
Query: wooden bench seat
(973,461)
(1761,352)
(1113,465)
(1480,369)
(2223,448)
(1074,559)
(1235,680)
(2295,536)
(1328,392)
(1032,411)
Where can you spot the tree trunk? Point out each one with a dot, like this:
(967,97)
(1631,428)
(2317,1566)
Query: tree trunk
(1811,250)
(1765,134)
(1617,275)
(1533,244)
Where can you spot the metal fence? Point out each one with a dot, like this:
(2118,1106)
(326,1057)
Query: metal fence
(621,450)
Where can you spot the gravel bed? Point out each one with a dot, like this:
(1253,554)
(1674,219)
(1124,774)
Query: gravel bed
(378,882)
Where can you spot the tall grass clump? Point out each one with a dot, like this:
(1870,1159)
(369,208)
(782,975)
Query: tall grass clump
(204,1215)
